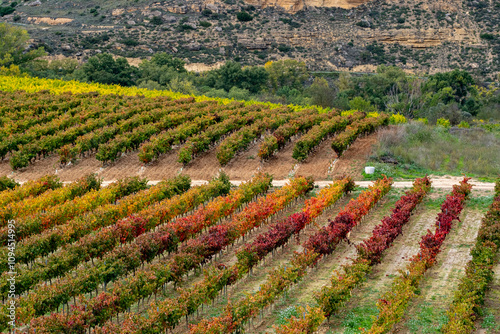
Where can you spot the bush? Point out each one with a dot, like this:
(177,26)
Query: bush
(363,24)
(104,69)
(239,93)
(6,10)
(129,42)
(183,27)
(464,125)
(205,24)
(244,16)
(487,36)
(19,160)
(206,12)
(359,103)
(397,119)
(7,183)
(157,20)
(284,48)
(443,122)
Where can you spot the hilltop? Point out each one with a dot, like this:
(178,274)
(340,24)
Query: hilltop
(355,35)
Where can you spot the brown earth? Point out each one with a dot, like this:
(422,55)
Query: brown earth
(318,162)
(281,164)
(205,166)
(353,160)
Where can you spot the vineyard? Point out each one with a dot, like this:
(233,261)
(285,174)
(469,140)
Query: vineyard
(216,258)
(44,129)
(132,256)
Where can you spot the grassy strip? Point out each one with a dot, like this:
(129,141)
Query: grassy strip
(469,297)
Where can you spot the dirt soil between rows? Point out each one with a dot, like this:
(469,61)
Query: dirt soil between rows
(205,166)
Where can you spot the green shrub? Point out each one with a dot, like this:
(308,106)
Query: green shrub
(487,36)
(7,183)
(206,12)
(443,122)
(157,20)
(6,10)
(129,42)
(244,16)
(397,119)
(363,24)
(19,160)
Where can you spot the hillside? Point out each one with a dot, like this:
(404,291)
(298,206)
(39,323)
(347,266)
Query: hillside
(425,36)
(71,134)
(128,210)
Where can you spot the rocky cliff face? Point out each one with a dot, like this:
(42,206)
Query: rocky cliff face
(424,36)
(293,6)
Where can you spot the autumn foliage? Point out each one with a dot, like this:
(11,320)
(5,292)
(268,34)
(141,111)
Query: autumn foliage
(394,303)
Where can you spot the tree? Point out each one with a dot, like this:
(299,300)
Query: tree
(8,9)
(461,82)
(226,77)
(290,73)
(182,86)
(157,20)
(321,93)
(358,103)
(254,78)
(104,69)
(162,68)
(239,94)
(164,59)
(231,74)
(55,69)
(14,46)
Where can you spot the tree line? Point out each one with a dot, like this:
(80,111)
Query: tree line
(454,95)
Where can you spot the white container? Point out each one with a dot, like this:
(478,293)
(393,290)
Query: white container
(369,170)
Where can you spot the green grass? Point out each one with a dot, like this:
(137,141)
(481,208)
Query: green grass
(489,323)
(401,171)
(360,317)
(481,203)
(284,315)
(427,320)
(421,149)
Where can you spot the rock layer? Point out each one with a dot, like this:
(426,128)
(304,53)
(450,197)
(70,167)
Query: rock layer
(293,6)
